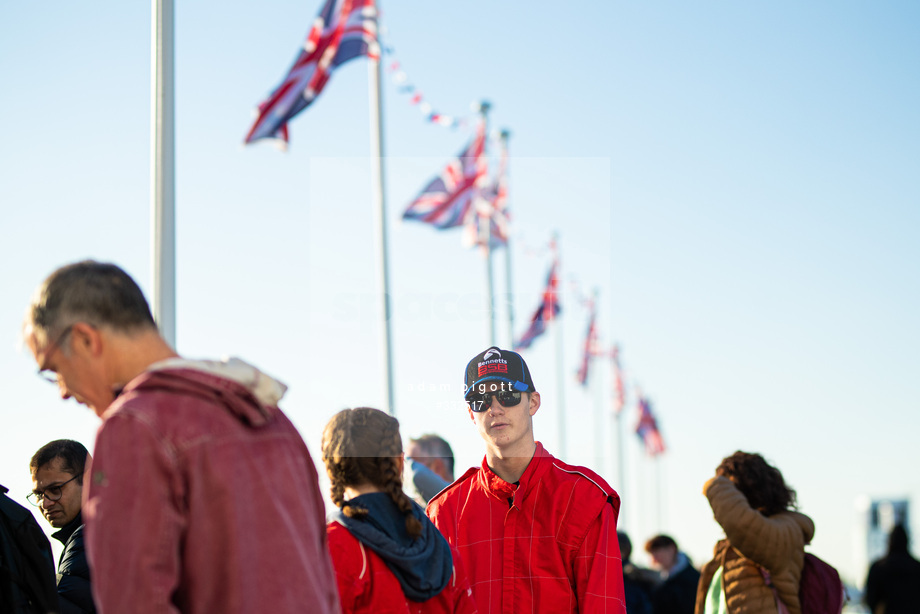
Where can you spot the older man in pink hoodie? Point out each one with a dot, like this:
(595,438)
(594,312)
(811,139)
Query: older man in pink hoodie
(202,495)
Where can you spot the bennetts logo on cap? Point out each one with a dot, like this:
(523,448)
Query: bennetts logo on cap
(492,365)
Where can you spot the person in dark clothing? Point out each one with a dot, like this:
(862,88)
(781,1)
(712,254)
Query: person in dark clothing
(677,592)
(638,582)
(26,564)
(893,585)
(57,490)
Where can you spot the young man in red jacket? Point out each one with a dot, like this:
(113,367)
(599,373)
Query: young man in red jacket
(536,534)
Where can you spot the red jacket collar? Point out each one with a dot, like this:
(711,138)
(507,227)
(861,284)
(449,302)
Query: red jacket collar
(499,488)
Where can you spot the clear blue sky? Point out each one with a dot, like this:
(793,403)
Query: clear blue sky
(738,180)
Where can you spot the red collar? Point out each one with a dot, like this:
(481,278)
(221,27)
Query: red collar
(499,488)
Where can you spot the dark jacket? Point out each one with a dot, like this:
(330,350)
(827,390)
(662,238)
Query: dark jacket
(893,585)
(73,582)
(677,594)
(26,564)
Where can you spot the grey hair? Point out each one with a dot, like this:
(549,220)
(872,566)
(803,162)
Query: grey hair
(434,446)
(100,294)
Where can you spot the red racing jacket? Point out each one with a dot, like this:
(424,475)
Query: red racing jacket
(545,544)
(367,586)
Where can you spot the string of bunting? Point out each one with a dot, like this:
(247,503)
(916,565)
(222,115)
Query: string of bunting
(406,87)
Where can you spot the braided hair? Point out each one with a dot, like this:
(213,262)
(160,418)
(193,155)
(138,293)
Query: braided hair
(363,446)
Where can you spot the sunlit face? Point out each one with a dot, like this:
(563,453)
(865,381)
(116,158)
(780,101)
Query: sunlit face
(58,513)
(503,428)
(75,372)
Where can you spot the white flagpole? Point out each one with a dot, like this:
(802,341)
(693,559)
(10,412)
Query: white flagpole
(509,287)
(560,370)
(485,232)
(162,171)
(380,215)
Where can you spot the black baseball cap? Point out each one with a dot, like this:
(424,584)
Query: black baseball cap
(496,365)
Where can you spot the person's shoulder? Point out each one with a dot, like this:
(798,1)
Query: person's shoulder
(586,481)
(451,489)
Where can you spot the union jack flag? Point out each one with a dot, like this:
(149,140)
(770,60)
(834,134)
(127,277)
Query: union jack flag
(343,30)
(647,429)
(447,201)
(547,311)
(491,208)
(591,348)
(619,393)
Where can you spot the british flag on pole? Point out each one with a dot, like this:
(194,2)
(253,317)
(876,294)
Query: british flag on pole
(491,208)
(619,392)
(647,429)
(448,199)
(343,30)
(546,312)
(591,347)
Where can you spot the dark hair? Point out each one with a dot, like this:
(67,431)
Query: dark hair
(761,483)
(435,446)
(625,545)
(98,293)
(660,541)
(72,454)
(361,446)
(897,540)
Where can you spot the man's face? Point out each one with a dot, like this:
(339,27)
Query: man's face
(51,475)
(504,427)
(435,463)
(664,558)
(73,359)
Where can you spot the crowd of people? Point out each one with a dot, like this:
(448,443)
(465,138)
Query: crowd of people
(201,496)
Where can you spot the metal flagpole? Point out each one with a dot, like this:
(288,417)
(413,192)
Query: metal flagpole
(162,170)
(595,384)
(509,286)
(380,216)
(485,232)
(560,371)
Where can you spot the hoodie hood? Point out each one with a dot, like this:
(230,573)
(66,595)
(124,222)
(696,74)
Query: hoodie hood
(246,392)
(423,565)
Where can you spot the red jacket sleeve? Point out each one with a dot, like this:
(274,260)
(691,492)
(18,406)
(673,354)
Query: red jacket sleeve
(460,585)
(599,569)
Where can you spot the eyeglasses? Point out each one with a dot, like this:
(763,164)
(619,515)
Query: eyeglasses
(43,371)
(52,493)
(482,401)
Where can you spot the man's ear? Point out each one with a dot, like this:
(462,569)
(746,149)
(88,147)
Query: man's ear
(86,338)
(472,417)
(534,402)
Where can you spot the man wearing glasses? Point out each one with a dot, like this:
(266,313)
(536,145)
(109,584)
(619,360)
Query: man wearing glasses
(57,490)
(202,495)
(537,534)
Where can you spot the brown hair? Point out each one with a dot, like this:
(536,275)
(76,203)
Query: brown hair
(761,483)
(362,446)
(660,541)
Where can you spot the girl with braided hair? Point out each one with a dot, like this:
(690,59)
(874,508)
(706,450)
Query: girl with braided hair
(388,557)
